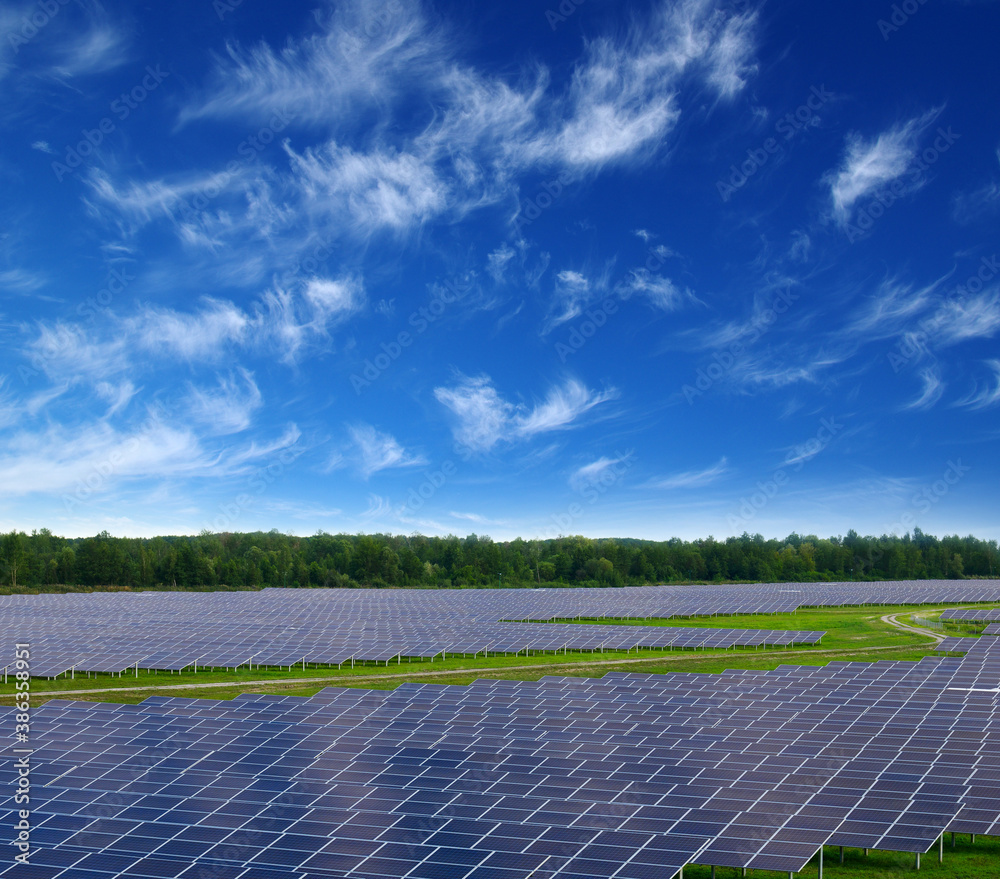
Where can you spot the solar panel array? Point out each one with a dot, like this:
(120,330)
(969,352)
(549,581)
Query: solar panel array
(627,776)
(111,632)
(974,614)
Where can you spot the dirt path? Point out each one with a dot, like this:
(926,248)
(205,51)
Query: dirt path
(483,671)
(890,618)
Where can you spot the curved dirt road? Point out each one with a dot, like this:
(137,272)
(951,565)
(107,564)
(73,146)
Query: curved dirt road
(890,618)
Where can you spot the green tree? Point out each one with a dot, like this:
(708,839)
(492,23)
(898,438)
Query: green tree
(15,555)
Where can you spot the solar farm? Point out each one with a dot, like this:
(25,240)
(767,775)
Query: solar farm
(625,775)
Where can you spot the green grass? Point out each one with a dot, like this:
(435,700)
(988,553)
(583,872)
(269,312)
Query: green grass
(965,861)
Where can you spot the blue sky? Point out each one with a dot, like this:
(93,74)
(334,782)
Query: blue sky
(617,269)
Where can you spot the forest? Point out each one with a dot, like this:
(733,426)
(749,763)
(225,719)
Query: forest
(43,561)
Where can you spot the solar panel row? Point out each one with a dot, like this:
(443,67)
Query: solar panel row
(974,614)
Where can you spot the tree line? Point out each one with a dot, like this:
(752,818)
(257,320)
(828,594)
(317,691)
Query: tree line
(41,560)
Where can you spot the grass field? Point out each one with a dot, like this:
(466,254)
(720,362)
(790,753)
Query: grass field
(967,860)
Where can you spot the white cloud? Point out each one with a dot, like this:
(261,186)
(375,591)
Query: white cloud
(360,53)
(379,451)
(21,280)
(595,472)
(987,396)
(482,414)
(967,207)
(97,49)
(869,165)
(118,396)
(933,388)
(379,189)
(357,73)
(498,260)
(623,98)
(562,406)
(693,478)
(140,202)
(68,352)
(959,320)
(229,407)
(888,310)
(334,299)
(196,335)
(484,418)
(85,460)
(572,294)
(661,292)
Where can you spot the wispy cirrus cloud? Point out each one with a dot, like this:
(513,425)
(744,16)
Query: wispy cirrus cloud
(891,307)
(484,418)
(988,395)
(596,471)
(283,322)
(967,207)
(97,48)
(354,80)
(355,55)
(661,293)
(932,389)
(956,321)
(563,405)
(374,450)
(374,190)
(870,164)
(21,280)
(229,407)
(692,478)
